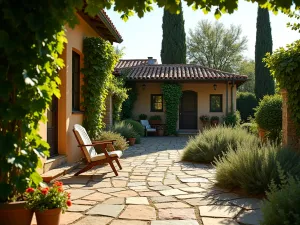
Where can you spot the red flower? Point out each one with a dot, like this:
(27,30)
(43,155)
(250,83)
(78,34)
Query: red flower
(30,190)
(60,189)
(69,203)
(58,183)
(45,191)
(69,195)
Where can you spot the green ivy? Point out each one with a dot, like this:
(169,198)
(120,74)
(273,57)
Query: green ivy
(172,94)
(99,62)
(284,65)
(128,104)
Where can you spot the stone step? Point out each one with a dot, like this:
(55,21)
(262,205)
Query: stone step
(60,171)
(54,162)
(188,132)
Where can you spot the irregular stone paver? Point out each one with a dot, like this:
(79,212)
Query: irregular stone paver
(172,192)
(176,205)
(176,214)
(97,197)
(89,220)
(149,170)
(106,210)
(139,212)
(218,221)
(137,201)
(194,180)
(126,222)
(174,222)
(219,211)
(251,217)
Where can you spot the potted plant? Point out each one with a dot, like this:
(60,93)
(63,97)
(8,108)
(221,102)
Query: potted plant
(156,119)
(48,203)
(131,141)
(204,119)
(143,116)
(214,120)
(160,131)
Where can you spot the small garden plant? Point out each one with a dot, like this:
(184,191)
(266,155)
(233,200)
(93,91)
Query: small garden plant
(41,199)
(204,118)
(137,126)
(232,119)
(155,117)
(119,143)
(143,116)
(126,130)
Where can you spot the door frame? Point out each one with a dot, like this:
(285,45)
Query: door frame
(196,111)
(55,122)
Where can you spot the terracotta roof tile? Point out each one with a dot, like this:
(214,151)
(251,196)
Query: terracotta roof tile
(143,71)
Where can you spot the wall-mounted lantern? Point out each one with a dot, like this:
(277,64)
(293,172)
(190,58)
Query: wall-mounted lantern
(215,86)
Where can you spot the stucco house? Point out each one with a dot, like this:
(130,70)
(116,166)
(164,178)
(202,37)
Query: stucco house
(66,111)
(205,91)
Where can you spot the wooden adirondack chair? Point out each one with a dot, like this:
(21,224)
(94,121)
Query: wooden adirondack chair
(90,154)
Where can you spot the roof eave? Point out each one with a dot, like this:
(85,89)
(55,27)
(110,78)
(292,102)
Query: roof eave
(113,31)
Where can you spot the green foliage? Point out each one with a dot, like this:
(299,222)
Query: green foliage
(264,83)
(120,142)
(45,198)
(172,94)
(99,62)
(137,127)
(128,104)
(250,127)
(285,68)
(268,115)
(214,118)
(173,47)
(155,117)
(215,142)
(282,204)
(215,46)
(245,104)
(204,118)
(247,67)
(232,119)
(253,167)
(143,116)
(126,130)
(31,40)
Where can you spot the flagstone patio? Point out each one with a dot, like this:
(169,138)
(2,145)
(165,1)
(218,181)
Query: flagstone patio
(155,188)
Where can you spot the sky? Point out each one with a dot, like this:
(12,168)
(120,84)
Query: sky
(142,37)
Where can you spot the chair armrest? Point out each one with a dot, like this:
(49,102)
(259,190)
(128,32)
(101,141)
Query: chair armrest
(95,144)
(109,141)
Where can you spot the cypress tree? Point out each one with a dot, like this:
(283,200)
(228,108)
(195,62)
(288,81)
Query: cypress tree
(264,83)
(173,49)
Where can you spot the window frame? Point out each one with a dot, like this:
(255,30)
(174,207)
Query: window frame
(152,108)
(78,95)
(221,103)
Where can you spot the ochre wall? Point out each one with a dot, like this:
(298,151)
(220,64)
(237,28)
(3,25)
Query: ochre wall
(67,144)
(142,105)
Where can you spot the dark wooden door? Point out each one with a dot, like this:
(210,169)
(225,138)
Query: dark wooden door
(52,127)
(188,110)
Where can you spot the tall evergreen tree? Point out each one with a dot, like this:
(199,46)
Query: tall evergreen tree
(264,83)
(173,49)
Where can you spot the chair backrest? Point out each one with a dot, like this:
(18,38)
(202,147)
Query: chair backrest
(145,123)
(83,139)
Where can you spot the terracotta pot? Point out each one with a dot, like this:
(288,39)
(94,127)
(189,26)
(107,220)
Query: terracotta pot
(214,122)
(160,132)
(131,141)
(14,213)
(262,134)
(48,217)
(152,122)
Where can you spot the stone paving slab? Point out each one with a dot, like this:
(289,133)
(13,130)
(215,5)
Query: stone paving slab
(172,192)
(219,211)
(175,205)
(106,210)
(128,222)
(78,208)
(139,212)
(176,214)
(175,222)
(218,221)
(251,217)
(91,220)
(97,197)
(137,201)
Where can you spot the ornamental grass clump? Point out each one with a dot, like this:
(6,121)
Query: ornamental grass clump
(126,130)
(215,142)
(119,143)
(252,168)
(41,199)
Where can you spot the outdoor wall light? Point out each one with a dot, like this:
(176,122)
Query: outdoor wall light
(143,86)
(215,87)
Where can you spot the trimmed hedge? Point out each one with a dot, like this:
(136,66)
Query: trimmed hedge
(232,119)
(245,104)
(215,142)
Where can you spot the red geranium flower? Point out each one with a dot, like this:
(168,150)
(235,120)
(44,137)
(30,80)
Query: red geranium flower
(30,190)
(58,183)
(69,195)
(45,191)
(60,189)
(69,203)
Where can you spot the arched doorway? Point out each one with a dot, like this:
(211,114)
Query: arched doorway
(188,110)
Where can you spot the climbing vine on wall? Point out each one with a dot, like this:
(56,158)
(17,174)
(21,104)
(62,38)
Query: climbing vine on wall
(132,92)
(284,64)
(99,62)
(172,93)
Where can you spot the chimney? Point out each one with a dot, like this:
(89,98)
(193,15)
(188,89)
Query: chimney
(151,61)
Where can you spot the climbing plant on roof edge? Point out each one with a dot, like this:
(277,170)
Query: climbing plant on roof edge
(172,94)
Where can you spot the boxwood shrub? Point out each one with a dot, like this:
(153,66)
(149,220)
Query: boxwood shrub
(137,126)
(215,142)
(245,104)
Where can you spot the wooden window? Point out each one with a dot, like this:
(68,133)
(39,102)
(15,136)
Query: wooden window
(216,103)
(75,81)
(157,103)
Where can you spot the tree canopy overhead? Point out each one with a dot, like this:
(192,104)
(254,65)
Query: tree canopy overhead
(129,7)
